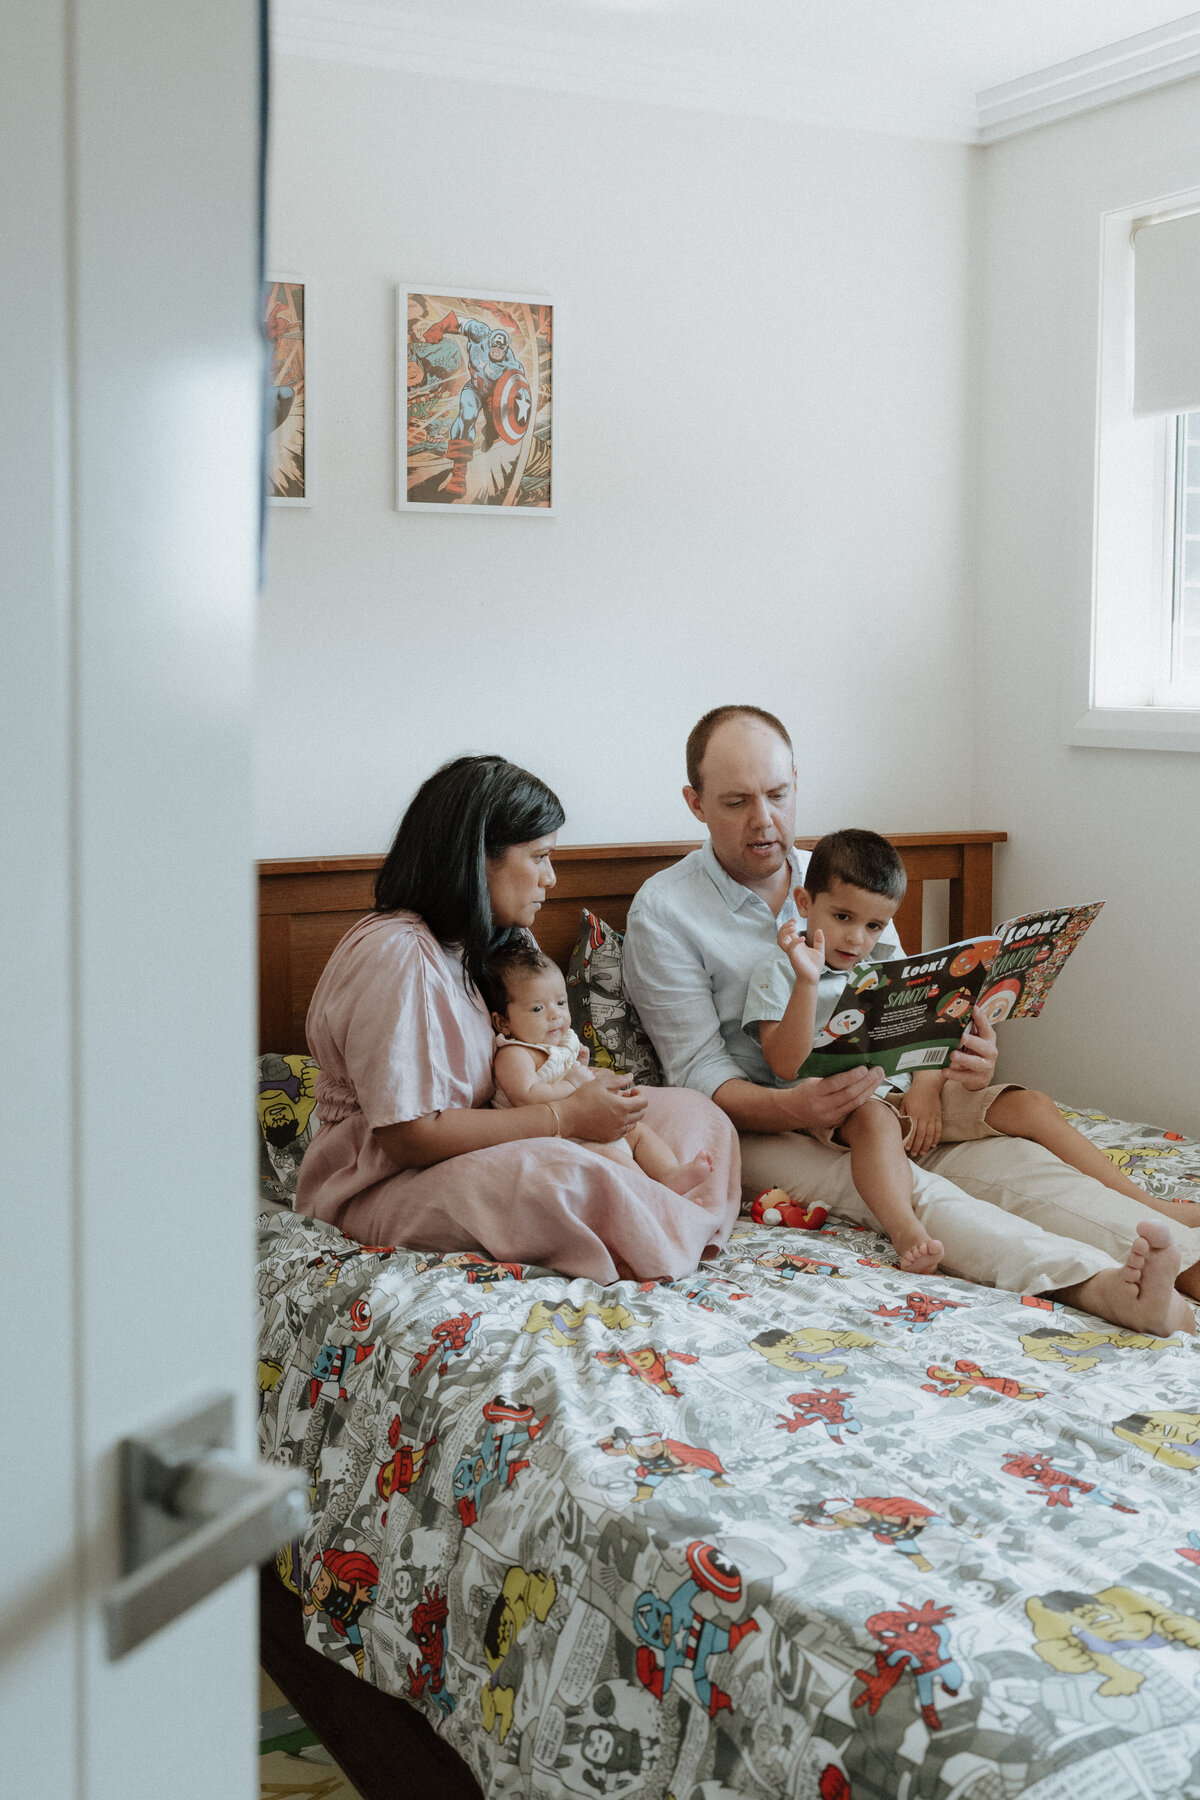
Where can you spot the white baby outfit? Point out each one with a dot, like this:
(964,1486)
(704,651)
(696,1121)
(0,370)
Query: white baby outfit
(559,1058)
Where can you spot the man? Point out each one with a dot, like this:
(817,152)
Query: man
(1007,1212)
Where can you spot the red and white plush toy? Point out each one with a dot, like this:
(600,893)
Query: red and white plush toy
(774,1207)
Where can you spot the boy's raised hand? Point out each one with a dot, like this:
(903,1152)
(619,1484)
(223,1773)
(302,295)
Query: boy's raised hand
(807,960)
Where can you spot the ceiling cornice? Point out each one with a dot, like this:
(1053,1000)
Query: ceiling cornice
(1136,65)
(419,39)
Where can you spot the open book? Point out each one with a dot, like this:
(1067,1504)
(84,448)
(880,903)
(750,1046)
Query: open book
(909,1014)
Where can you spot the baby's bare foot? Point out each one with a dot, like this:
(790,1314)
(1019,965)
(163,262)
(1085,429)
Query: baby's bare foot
(689,1175)
(919,1255)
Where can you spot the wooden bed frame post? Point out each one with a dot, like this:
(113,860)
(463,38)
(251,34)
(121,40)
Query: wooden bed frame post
(971,893)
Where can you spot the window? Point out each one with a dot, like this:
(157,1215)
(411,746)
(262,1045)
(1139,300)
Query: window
(1142,683)
(1183,570)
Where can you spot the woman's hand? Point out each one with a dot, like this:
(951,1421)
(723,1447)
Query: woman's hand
(606,1109)
(603,1109)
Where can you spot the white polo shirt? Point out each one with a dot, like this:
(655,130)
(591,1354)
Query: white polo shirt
(770,989)
(695,937)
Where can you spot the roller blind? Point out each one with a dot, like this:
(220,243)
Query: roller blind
(1166,315)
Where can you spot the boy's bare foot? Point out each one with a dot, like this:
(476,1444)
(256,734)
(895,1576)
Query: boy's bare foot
(689,1175)
(919,1255)
(1140,1296)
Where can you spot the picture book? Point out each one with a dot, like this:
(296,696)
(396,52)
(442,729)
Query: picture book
(910,1013)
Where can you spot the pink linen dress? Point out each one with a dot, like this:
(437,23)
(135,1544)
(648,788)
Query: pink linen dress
(399,1033)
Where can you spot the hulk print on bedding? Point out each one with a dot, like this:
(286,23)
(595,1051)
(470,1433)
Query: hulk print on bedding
(796,1525)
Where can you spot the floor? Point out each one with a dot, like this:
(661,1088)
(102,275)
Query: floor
(292,1764)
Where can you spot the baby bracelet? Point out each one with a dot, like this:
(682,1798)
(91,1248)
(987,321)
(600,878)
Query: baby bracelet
(557,1120)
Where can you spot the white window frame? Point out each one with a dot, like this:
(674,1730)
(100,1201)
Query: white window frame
(1125,697)
(1179,689)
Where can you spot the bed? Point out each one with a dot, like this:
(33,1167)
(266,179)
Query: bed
(796,1525)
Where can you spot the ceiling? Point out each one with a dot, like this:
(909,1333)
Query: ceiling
(969,70)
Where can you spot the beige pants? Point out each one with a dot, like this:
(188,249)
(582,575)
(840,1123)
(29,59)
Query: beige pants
(1009,1213)
(964,1116)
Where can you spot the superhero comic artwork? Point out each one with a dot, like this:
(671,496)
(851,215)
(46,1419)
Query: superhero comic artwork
(285,324)
(476,406)
(793,1526)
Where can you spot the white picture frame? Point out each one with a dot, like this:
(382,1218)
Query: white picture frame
(507,415)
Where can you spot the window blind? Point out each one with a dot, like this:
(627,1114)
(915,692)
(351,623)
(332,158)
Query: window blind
(1166,315)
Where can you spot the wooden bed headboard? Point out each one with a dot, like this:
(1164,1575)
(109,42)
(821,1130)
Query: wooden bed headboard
(304,907)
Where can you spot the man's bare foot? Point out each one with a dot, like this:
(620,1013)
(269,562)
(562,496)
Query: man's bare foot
(1140,1296)
(689,1175)
(919,1255)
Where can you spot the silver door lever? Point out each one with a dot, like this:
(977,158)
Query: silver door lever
(192,1516)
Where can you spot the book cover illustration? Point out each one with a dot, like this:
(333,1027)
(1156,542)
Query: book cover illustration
(910,1013)
(1032,951)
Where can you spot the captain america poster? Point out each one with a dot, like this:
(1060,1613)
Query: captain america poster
(475,406)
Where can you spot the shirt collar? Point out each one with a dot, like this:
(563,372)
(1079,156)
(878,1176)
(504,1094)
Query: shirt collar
(734,893)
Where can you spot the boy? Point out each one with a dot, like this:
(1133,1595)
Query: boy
(854,882)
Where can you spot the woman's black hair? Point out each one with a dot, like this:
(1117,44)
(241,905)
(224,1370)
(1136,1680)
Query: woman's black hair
(470,809)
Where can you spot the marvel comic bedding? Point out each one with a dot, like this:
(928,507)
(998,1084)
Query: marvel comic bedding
(796,1526)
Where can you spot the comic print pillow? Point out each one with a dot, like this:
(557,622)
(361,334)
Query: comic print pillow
(286,1096)
(601,1012)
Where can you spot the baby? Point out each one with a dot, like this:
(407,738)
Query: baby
(539,1059)
(854,882)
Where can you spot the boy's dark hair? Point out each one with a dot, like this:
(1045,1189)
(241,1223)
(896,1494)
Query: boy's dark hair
(522,954)
(703,729)
(861,859)
(470,809)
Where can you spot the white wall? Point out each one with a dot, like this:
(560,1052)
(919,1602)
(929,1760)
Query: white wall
(1124,1031)
(762,419)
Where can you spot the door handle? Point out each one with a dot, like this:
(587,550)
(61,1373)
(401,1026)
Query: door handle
(192,1516)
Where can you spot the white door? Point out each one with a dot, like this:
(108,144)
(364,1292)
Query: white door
(128,545)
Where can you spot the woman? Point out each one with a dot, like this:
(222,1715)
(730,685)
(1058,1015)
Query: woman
(408,1151)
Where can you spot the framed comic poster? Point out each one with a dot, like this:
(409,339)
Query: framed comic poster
(287,322)
(475,408)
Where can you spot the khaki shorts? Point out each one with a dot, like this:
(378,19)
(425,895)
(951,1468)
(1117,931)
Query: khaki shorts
(964,1116)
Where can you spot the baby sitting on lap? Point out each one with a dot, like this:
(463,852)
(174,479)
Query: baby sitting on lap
(854,882)
(540,1060)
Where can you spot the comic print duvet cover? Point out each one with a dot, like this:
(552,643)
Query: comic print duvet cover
(796,1526)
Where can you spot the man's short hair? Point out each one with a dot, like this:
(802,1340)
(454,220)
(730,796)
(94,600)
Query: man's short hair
(861,859)
(523,957)
(703,729)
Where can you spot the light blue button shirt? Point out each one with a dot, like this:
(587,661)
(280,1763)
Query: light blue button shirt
(694,938)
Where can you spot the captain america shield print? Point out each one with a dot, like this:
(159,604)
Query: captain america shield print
(479,375)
